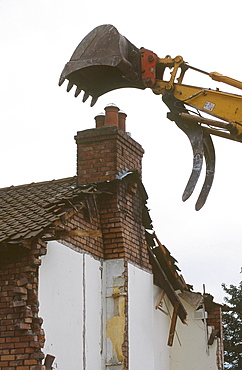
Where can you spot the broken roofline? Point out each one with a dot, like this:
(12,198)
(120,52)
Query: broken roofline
(63,199)
(56,199)
(66,200)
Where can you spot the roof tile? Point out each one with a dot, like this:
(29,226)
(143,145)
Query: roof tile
(26,209)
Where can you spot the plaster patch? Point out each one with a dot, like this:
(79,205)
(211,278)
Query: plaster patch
(116,327)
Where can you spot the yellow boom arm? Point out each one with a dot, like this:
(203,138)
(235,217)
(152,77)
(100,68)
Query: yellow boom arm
(222,105)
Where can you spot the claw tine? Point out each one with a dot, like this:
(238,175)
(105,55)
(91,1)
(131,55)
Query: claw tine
(61,80)
(69,86)
(77,92)
(94,100)
(195,136)
(85,96)
(194,133)
(196,170)
(209,154)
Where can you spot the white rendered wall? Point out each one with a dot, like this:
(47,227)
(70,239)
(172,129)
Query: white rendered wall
(70,304)
(161,331)
(76,314)
(190,352)
(147,327)
(149,331)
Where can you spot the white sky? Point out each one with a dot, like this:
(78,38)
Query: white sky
(39,119)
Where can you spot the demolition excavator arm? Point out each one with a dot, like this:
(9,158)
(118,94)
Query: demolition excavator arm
(105,60)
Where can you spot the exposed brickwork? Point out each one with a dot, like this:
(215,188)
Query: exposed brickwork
(102,153)
(21,336)
(105,151)
(123,231)
(118,215)
(215,321)
(215,318)
(82,220)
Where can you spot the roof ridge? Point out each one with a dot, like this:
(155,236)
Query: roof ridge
(38,183)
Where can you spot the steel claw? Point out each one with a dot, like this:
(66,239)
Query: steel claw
(202,146)
(209,154)
(195,135)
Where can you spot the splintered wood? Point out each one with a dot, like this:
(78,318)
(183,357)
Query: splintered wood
(159,303)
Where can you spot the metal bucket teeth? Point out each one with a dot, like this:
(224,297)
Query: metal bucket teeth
(85,96)
(77,92)
(69,86)
(104,61)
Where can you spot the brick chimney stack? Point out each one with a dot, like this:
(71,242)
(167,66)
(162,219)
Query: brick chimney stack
(105,151)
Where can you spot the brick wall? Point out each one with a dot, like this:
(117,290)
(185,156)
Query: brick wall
(105,151)
(215,321)
(215,318)
(102,153)
(122,228)
(21,336)
(82,220)
(118,216)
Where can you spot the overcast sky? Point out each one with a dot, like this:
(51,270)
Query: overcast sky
(39,119)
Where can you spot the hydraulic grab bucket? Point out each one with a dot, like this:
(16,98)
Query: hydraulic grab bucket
(103,61)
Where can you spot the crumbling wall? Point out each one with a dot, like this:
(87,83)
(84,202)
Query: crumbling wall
(21,335)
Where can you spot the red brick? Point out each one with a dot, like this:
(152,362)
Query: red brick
(21,345)
(4,351)
(17,351)
(14,339)
(20,290)
(35,344)
(16,363)
(7,357)
(3,364)
(22,281)
(30,362)
(23,326)
(18,303)
(22,356)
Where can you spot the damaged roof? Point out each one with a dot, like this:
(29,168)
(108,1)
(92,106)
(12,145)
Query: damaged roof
(27,209)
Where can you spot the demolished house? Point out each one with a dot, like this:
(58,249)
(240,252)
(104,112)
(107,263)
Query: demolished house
(85,281)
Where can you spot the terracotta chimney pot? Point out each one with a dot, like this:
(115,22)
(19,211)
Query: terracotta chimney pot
(111,118)
(100,120)
(122,120)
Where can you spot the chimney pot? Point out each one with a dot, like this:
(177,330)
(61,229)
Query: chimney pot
(111,118)
(122,120)
(103,153)
(100,120)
